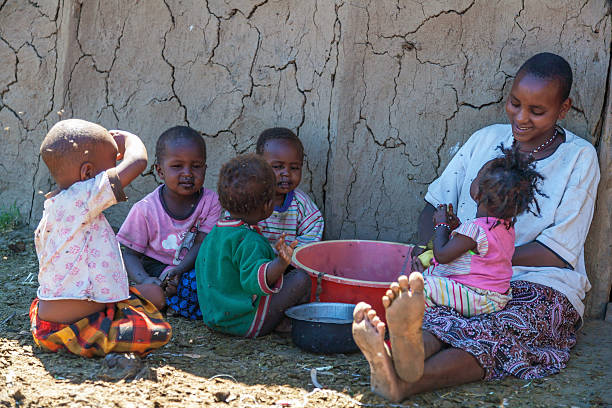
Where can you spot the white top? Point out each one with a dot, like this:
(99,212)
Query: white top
(78,254)
(571,176)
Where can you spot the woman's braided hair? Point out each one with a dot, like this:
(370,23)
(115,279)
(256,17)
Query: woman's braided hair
(509,184)
(246,183)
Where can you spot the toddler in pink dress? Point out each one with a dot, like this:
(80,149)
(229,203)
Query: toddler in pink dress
(472,263)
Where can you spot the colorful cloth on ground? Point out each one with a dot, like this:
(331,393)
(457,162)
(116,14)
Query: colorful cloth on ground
(467,300)
(571,175)
(298,217)
(231,278)
(78,254)
(133,325)
(150,229)
(185,302)
(490,268)
(530,338)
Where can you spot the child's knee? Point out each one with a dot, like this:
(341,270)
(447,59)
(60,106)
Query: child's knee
(153,294)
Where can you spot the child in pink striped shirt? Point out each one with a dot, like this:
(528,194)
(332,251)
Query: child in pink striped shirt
(473,263)
(295,214)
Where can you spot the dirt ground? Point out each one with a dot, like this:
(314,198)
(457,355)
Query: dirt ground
(202,368)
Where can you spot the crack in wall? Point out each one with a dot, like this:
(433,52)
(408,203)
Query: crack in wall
(336,40)
(172,68)
(429,18)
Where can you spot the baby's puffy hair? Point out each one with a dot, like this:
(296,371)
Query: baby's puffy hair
(278,133)
(174,134)
(550,66)
(246,183)
(508,185)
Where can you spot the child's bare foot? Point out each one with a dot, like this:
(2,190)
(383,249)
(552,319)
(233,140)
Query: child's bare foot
(119,366)
(405,304)
(369,334)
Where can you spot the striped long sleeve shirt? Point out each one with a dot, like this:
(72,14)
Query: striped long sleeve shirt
(298,217)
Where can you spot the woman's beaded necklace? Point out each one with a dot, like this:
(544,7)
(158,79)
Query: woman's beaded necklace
(543,145)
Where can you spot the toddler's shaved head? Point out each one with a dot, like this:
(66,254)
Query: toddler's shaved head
(71,142)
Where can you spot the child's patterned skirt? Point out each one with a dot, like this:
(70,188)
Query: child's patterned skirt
(131,325)
(467,300)
(185,302)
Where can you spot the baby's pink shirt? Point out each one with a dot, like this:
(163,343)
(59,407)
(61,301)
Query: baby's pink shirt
(491,267)
(150,230)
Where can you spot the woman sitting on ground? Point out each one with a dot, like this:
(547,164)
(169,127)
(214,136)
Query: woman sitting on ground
(531,337)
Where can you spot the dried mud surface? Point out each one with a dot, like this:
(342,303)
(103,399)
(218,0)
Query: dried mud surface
(202,368)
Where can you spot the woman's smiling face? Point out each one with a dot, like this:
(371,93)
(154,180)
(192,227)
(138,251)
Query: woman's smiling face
(533,108)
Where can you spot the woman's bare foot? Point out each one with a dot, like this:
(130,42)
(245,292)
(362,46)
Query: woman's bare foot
(369,334)
(405,304)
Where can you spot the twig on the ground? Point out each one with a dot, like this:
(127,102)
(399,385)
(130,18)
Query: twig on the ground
(29,280)
(10,316)
(313,378)
(223,376)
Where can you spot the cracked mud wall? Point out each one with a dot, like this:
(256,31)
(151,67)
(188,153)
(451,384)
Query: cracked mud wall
(382,92)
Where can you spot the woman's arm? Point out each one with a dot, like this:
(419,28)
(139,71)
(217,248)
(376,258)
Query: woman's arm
(426,224)
(536,254)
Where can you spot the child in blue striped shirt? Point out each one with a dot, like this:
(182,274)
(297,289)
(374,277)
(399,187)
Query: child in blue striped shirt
(295,214)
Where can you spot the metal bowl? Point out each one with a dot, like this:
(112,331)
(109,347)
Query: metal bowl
(323,327)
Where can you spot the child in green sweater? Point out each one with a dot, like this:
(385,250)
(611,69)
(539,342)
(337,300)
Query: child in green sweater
(241,286)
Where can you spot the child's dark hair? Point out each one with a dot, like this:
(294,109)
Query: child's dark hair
(278,133)
(550,66)
(246,183)
(509,184)
(174,134)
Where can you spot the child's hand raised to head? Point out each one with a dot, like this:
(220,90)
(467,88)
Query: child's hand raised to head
(285,252)
(132,151)
(119,136)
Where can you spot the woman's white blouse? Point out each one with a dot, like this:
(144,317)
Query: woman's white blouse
(571,176)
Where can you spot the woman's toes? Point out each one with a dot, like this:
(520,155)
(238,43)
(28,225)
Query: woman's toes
(389,293)
(381,328)
(402,283)
(371,314)
(386,301)
(416,282)
(395,288)
(360,311)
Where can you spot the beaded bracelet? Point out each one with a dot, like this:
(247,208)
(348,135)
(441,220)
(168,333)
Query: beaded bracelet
(442,224)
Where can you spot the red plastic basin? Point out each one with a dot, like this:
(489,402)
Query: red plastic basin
(352,271)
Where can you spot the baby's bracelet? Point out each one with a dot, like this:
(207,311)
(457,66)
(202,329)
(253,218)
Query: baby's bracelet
(442,224)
